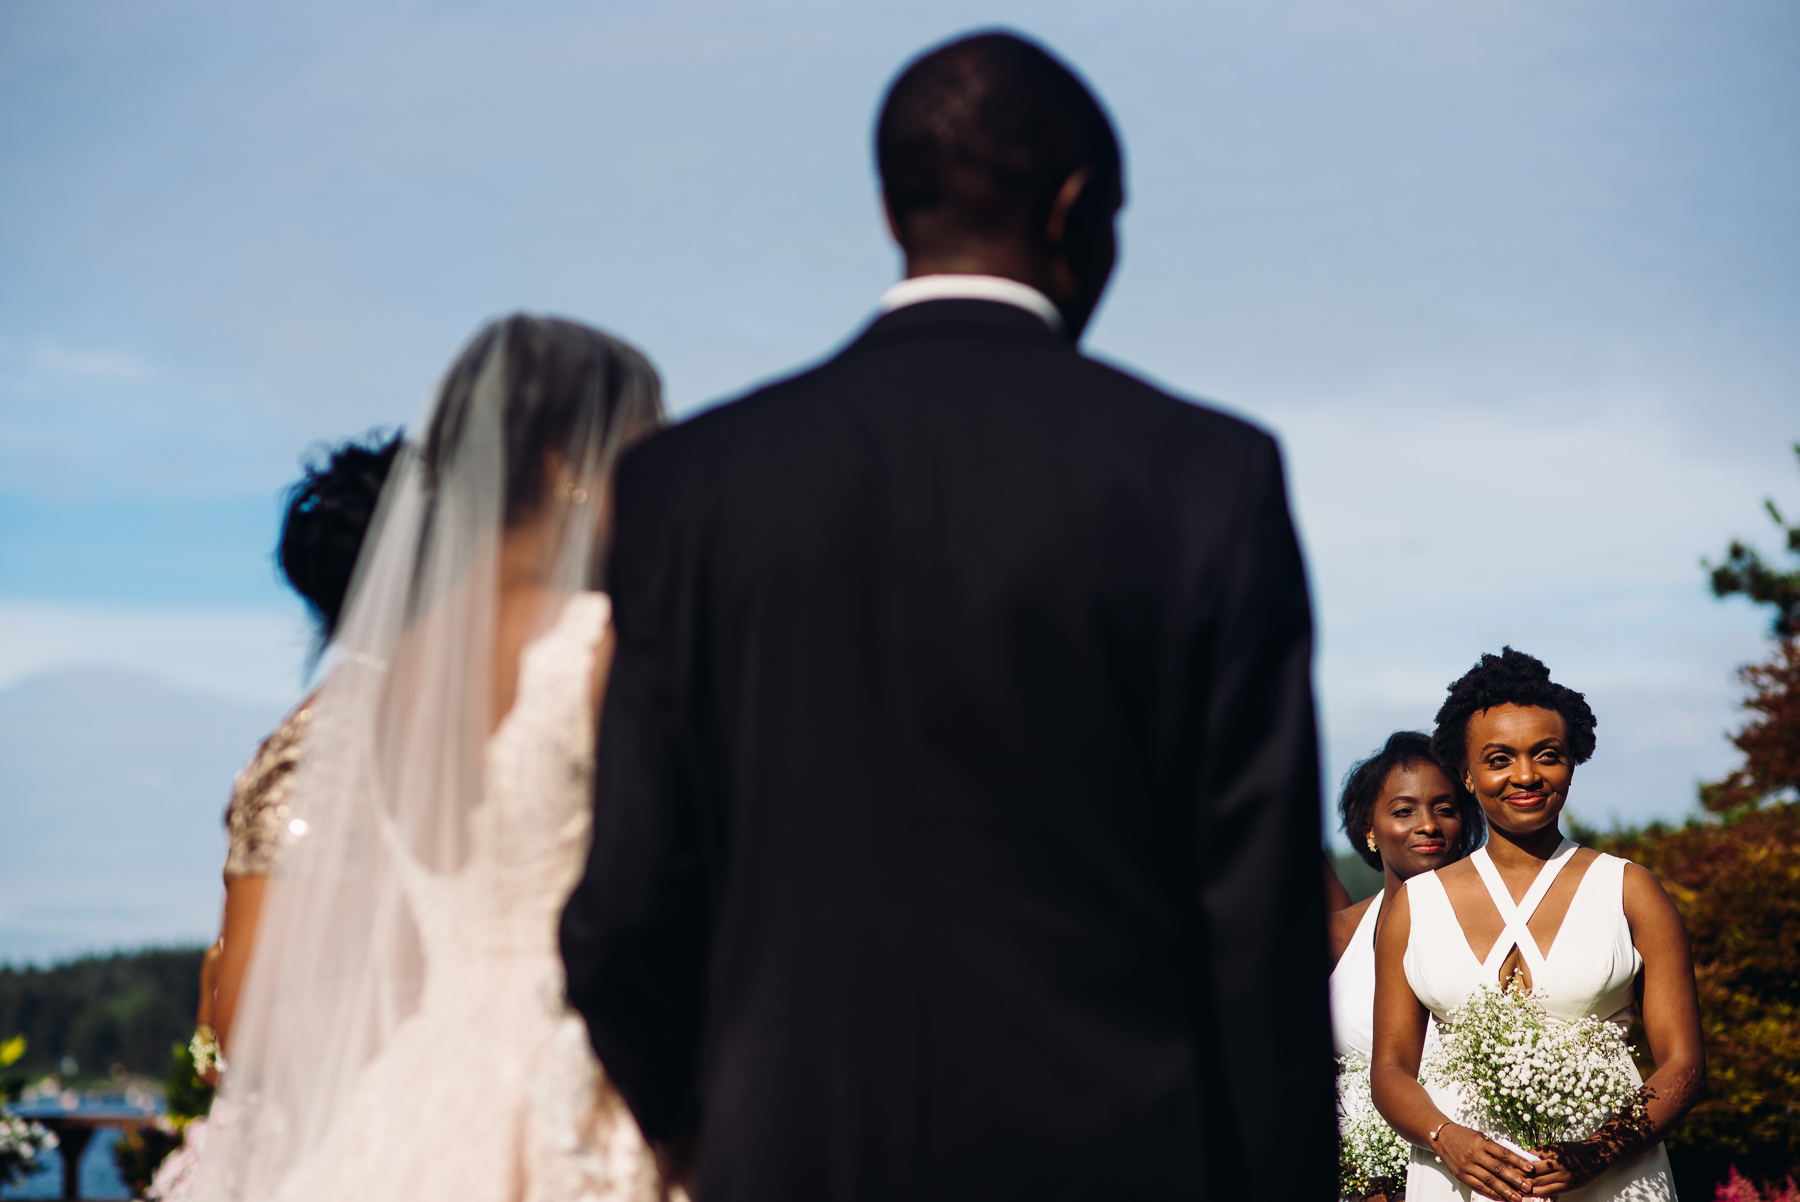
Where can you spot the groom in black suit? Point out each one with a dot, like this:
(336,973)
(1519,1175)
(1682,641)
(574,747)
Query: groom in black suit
(956,814)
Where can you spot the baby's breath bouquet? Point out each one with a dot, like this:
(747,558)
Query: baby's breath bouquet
(22,1145)
(1372,1156)
(1530,1078)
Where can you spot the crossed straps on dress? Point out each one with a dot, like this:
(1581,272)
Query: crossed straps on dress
(1518,917)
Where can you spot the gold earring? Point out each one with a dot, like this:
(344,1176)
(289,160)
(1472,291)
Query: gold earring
(1371,840)
(568,490)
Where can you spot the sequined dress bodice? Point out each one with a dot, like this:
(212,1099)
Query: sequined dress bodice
(256,820)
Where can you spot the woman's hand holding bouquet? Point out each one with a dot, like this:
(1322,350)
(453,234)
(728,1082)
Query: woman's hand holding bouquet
(1564,1090)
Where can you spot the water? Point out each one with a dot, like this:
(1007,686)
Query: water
(99,1176)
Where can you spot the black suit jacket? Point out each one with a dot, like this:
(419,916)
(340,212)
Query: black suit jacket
(956,813)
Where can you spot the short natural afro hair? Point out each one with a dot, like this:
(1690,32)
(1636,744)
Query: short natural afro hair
(1364,781)
(1510,678)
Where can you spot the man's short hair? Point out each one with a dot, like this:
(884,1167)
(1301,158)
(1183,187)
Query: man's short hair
(981,133)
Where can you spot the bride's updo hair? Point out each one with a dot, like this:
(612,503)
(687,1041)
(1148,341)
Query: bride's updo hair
(1362,789)
(1510,678)
(328,512)
(556,373)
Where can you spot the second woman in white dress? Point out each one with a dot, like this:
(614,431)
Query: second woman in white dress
(1404,815)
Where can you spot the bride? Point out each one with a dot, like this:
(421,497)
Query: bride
(1575,926)
(403,1033)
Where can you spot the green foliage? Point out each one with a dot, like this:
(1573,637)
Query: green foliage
(1736,881)
(1361,880)
(187,1096)
(1770,741)
(1737,885)
(11,1084)
(139,1152)
(122,1009)
(1745,572)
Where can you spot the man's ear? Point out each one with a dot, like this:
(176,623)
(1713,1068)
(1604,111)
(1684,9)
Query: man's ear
(887,211)
(1057,228)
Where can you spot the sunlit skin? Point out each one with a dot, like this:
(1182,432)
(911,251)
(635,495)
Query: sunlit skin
(1416,828)
(1520,770)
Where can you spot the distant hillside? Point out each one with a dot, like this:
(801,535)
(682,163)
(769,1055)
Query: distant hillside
(124,1009)
(112,795)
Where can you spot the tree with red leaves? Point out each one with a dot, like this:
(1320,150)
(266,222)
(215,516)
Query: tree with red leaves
(1735,875)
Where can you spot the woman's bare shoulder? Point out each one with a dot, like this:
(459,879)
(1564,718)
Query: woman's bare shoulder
(1341,926)
(1457,872)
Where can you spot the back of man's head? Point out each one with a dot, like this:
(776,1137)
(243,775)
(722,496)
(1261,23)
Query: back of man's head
(978,136)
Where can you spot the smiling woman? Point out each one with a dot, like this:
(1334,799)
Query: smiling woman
(1404,814)
(1531,910)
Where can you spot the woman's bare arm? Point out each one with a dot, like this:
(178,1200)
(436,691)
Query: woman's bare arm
(243,907)
(209,984)
(1400,1019)
(1671,1002)
(1672,1026)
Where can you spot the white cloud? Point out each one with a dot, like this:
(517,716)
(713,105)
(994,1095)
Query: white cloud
(54,360)
(1567,527)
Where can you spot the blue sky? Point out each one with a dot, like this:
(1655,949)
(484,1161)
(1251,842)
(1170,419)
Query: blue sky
(1515,283)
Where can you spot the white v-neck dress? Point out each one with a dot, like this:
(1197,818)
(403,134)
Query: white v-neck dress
(1353,988)
(1589,971)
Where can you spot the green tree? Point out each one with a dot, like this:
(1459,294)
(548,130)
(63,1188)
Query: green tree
(123,1009)
(1771,740)
(1745,572)
(1735,877)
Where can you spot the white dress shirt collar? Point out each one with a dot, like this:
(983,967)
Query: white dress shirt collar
(973,287)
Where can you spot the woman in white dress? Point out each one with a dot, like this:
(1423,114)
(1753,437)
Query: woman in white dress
(1578,925)
(403,1033)
(1404,815)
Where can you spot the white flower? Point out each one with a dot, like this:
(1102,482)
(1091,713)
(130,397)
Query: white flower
(1368,1149)
(1528,1076)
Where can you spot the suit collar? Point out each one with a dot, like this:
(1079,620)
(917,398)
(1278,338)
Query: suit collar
(918,289)
(978,318)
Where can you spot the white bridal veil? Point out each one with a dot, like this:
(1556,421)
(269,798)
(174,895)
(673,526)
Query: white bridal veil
(505,486)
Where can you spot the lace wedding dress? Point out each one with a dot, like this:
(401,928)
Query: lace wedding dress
(489,1091)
